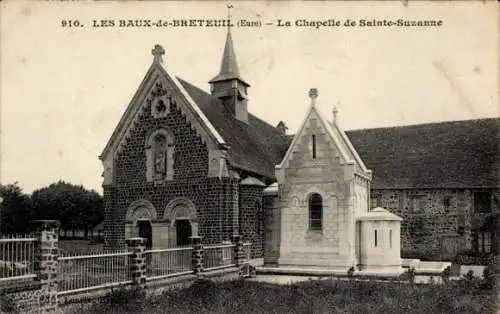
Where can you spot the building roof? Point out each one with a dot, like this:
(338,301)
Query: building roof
(256,147)
(378,214)
(251,181)
(458,154)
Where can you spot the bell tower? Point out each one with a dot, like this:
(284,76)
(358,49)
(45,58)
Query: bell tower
(228,85)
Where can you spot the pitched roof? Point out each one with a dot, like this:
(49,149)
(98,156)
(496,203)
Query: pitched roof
(458,154)
(336,134)
(379,213)
(256,147)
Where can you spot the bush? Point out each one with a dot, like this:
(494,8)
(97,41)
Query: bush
(411,275)
(445,275)
(129,300)
(350,272)
(491,276)
(471,282)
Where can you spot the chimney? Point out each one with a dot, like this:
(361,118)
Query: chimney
(282,128)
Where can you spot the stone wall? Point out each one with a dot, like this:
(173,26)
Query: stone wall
(251,218)
(440,228)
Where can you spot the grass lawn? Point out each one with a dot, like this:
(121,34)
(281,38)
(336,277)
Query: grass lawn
(322,296)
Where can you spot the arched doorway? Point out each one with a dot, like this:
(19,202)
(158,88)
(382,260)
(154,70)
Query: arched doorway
(140,214)
(183,232)
(184,223)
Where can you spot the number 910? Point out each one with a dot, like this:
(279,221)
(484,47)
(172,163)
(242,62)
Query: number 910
(70,23)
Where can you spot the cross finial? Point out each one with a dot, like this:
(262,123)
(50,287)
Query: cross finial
(158,52)
(229,7)
(335,111)
(313,94)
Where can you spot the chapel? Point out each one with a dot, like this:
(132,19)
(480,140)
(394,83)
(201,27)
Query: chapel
(188,161)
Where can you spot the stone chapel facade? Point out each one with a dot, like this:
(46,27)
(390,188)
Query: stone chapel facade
(177,165)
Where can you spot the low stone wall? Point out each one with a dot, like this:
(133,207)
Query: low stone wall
(21,297)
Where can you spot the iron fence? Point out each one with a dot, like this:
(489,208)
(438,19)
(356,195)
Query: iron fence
(164,263)
(17,257)
(80,273)
(218,256)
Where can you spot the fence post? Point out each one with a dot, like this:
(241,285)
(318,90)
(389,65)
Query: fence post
(239,254)
(45,263)
(137,261)
(197,256)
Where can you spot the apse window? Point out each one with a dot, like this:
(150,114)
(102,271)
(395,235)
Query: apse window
(313,140)
(390,238)
(315,212)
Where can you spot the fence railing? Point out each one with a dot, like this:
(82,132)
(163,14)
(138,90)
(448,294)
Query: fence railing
(16,257)
(40,257)
(218,256)
(164,263)
(79,273)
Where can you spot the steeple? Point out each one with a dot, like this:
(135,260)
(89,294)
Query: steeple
(228,84)
(229,69)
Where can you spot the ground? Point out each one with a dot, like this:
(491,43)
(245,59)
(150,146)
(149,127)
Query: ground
(312,296)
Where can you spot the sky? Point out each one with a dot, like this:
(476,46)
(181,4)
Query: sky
(64,89)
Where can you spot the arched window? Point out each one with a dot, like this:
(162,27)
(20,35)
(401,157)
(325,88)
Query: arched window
(390,238)
(313,142)
(315,212)
(376,238)
(159,155)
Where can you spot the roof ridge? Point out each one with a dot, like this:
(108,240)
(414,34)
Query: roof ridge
(215,98)
(425,124)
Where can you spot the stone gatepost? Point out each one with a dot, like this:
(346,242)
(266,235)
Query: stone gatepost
(239,253)
(137,246)
(197,256)
(45,263)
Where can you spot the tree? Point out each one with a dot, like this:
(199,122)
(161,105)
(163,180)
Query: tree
(16,210)
(74,206)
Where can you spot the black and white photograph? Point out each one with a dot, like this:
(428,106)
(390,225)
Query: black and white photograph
(249,156)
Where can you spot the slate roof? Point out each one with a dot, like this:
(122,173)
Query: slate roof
(458,154)
(256,147)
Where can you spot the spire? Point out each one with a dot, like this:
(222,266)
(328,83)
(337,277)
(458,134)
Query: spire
(229,66)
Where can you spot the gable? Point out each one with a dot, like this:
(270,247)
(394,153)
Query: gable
(158,83)
(346,152)
(157,77)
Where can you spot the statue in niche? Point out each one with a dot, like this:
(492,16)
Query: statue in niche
(160,157)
